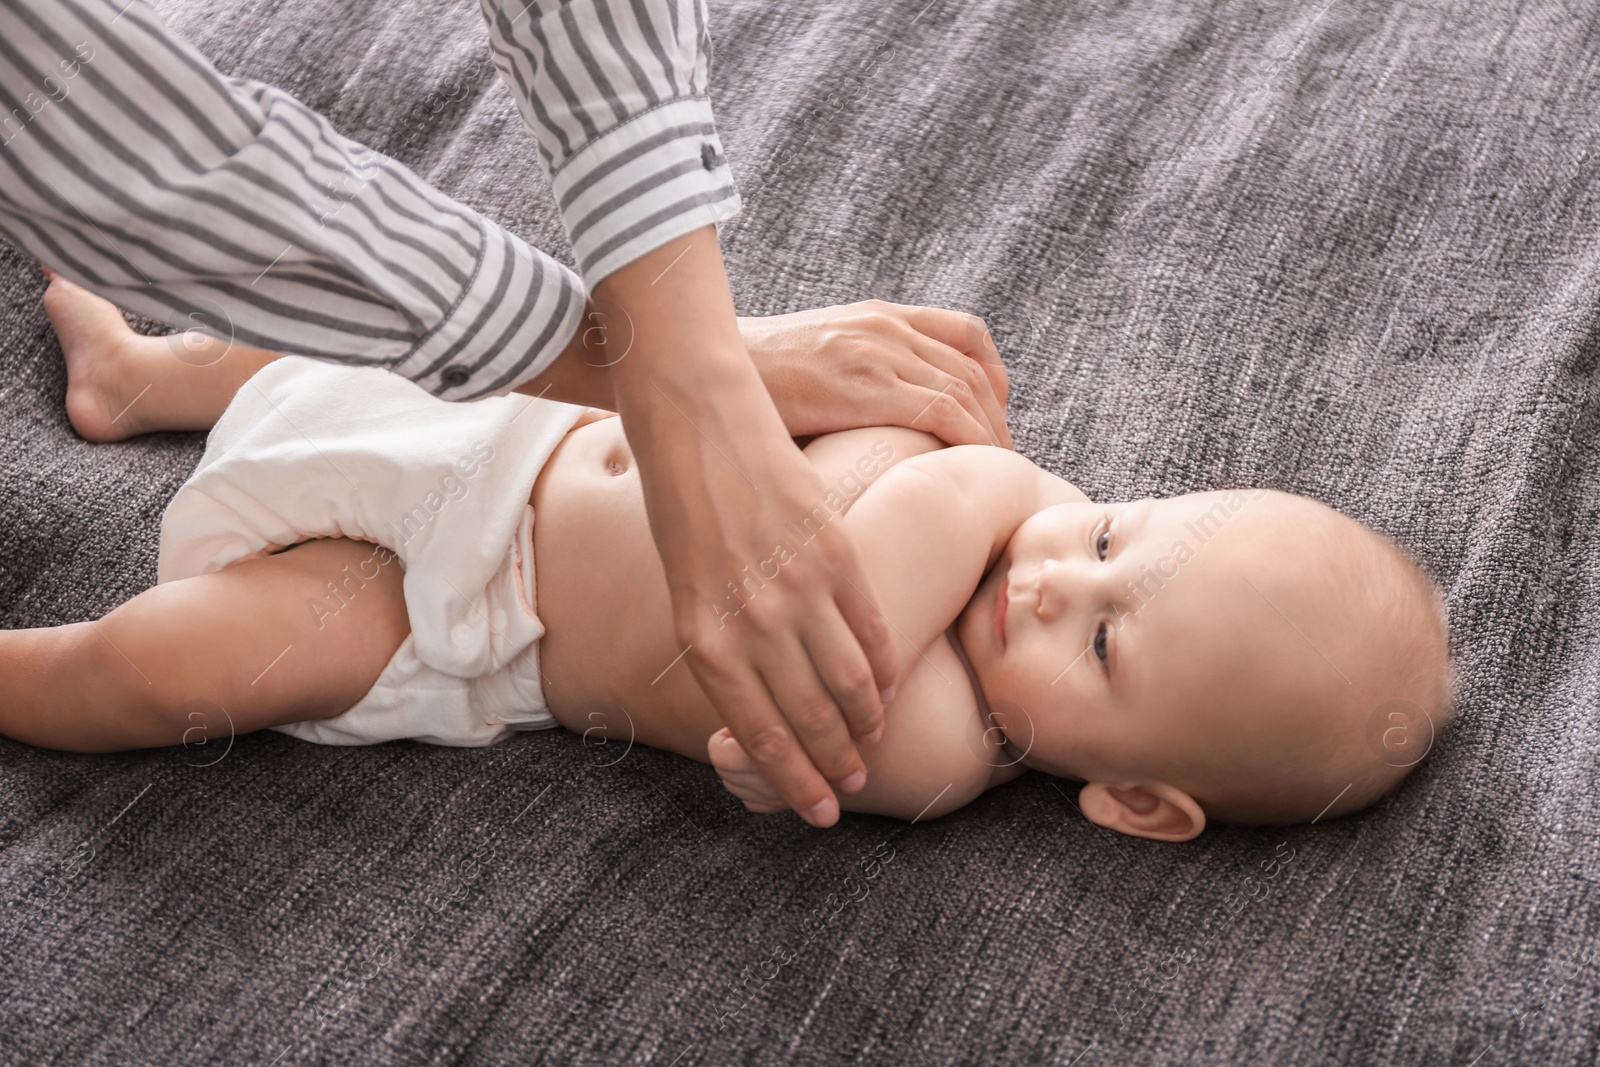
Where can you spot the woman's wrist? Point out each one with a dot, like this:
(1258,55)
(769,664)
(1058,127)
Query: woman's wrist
(673,345)
(709,404)
(579,374)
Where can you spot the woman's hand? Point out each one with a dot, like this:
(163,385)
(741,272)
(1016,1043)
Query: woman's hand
(879,364)
(837,368)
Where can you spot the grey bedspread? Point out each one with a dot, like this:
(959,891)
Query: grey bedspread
(1343,247)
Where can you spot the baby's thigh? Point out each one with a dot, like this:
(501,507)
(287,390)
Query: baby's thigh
(301,634)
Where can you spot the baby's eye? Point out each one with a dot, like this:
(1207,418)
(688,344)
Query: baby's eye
(1102,544)
(1100,642)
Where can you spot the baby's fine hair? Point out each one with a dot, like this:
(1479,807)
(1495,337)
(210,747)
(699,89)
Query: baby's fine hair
(1361,739)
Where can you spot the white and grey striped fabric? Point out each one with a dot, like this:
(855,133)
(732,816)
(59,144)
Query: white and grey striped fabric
(131,165)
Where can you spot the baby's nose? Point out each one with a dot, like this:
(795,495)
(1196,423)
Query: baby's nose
(1055,588)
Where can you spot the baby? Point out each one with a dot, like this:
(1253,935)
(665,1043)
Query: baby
(353,561)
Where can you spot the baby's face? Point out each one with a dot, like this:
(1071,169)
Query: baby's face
(1110,639)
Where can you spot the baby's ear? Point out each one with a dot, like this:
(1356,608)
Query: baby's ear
(1150,809)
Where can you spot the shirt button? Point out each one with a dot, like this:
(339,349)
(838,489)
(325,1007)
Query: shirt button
(455,376)
(461,635)
(708,156)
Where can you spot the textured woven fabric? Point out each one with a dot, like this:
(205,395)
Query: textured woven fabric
(1345,248)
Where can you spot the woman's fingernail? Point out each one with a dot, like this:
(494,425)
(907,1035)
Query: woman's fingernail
(886,695)
(822,813)
(854,782)
(874,737)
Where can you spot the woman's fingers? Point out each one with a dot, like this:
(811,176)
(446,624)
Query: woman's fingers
(967,334)
(743,702)
(837,656)
(942,369)
(863,364)
(979,378)
(923,400)
(812,713)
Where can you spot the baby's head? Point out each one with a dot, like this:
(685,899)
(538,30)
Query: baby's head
(1247,656)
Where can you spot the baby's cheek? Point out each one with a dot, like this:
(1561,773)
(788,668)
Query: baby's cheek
(1050,688)
(1014,699)
(1006,714)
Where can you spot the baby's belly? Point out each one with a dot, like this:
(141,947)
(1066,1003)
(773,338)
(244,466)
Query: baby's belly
(609,656)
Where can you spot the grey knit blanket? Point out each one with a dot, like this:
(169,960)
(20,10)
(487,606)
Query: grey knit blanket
(1343,247)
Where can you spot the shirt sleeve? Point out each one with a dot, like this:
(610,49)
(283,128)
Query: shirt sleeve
(614,91)
(131,165)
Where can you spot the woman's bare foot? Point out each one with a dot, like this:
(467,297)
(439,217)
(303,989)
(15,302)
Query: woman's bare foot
(101,398)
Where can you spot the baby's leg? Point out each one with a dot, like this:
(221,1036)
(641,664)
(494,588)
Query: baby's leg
(121,383)
(201,659)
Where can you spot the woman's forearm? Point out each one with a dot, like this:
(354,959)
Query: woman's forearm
(672,339)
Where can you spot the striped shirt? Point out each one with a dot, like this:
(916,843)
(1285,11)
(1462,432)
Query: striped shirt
(131,165)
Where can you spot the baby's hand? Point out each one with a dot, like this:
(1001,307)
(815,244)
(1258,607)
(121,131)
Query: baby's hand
(741,775)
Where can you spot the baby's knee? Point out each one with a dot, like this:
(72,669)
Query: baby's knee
(120,698)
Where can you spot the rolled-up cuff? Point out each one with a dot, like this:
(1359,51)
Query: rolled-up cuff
(658,176)
(515,317)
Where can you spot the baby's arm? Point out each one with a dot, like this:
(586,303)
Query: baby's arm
(928,530)
(937,753)
(932,526)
